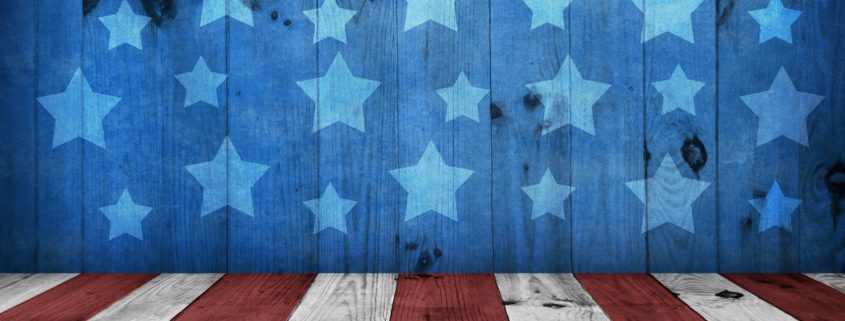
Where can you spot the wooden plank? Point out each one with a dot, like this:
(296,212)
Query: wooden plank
(836,281)
(249,297)
(680,213)
(634,297)
(447,297)
(546,297)
(796,294)
(521,152)
(17,288)
(716,298)
(161,298)
(78,298)
(607,217)
(335,297)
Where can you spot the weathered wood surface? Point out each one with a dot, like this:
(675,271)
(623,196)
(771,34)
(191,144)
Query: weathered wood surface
(836,281)
(19,287)
(796,294)
(161,298)
(546,297)
(336,297)
(635,297)
(447,297)
(715,298)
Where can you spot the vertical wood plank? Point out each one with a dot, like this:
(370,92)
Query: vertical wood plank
(335,297)
(447,297)
(546,297)
(796,294)
(17,288)
(635,297)
(834,280)
(161,298)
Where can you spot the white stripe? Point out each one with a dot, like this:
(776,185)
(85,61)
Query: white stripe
(161,298)
(699,291)
(836,281)
(17,288)
(546,297)
(335,296)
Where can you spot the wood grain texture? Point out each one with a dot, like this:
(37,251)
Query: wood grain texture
(700,292)
(161,298)
(546,297)
(359,297)
(78,298)
(256,297)
(796,294)
(836,281)
(17,288)
(447,297)
(635,297)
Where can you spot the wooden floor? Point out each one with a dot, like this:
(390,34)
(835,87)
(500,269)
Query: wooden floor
(482,297)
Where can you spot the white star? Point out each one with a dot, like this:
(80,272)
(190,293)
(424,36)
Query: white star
(332,21)
(201,84)
(547,11)
(421,11)
(775,209)
(678,92)
(547,196)
(216,9)
(670,196)
(125,27)
(462,98)
(775,21)
(330,210)
(125,217)
(672,16)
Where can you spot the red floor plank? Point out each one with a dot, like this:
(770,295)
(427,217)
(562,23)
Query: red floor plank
(254,297)
(78,298)
(796,294)
(635,297)
(447,297)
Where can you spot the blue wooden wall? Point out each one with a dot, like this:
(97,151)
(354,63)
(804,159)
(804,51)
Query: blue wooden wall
(422,136)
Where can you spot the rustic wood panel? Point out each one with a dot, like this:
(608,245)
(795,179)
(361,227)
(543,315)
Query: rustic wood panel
(836,281)
(635,297)
(161,298)
(447,297)
(546,297)
(335,297)
(796,294)
(17,288)
(716,298)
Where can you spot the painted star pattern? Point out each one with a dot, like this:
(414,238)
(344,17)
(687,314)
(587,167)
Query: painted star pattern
(678,92)
(216,9)
(782,110)
(568,99)
(775,209)
(462,99)
(201,84)
(670,196)
(431,185)
(332,19)
(672,16)
(545,11)
(125,27)
(547,196)
(775,21)
(79,112)
(125,217)
(439,11)
(330,210)
(227,180)
(339,96)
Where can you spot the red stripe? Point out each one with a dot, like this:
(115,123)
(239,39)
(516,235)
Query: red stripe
(447,297)
(635,297)
(79,298)
(796,294)
(254,297)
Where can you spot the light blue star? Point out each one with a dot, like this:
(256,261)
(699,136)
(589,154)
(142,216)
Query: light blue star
(201,84)
(431,185)
(782,110)
(568,99)
(462,98)
(332,20)
(547,11)
(421,11)
(125,217)
(775,209)
(227,183)
(78,111)
(125,27)
(216,9)
(330,210)
(672,16)
(775,21)
(678,92)
(339,96)
(548,196)
(670,196)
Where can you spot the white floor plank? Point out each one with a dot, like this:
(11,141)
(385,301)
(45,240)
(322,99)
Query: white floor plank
(357,297)
(834,280)
(160,299)
(699,291)
(529,297)
(17,288)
